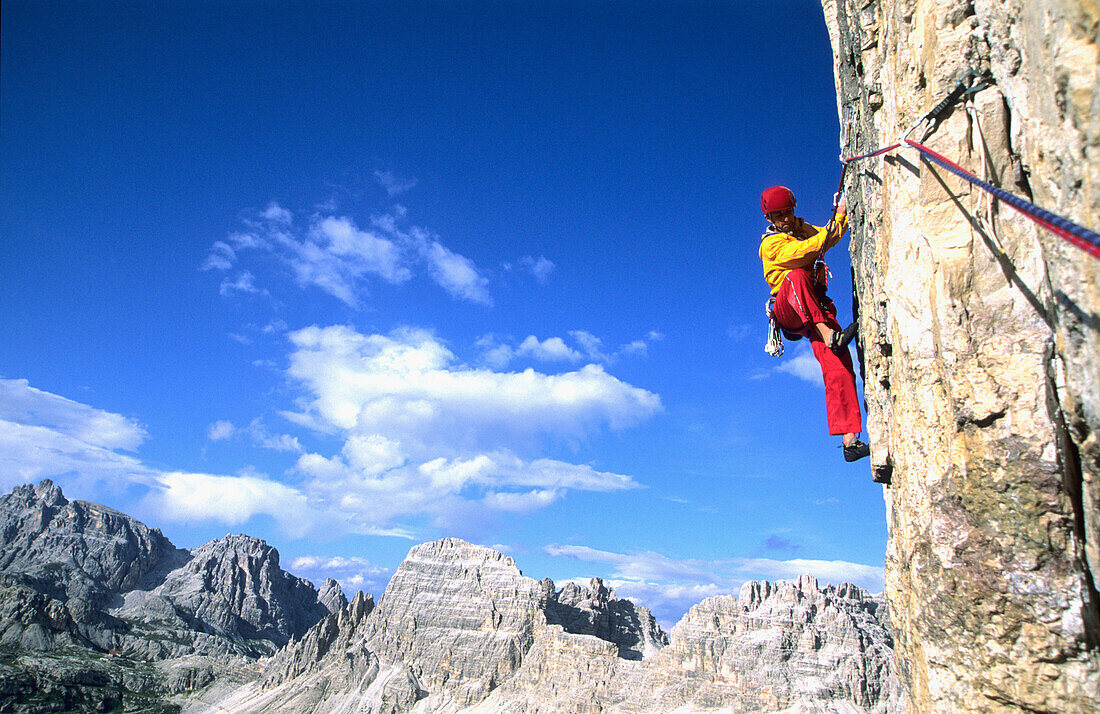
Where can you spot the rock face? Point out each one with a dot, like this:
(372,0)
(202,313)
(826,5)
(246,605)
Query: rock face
(980,342)
(75,550)
(783,646)
(84,586)
(233,589)
(460,628)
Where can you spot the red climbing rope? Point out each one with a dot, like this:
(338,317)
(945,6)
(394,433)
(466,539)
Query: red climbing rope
(876,152)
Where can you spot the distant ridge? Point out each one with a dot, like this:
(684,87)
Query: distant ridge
(97,610)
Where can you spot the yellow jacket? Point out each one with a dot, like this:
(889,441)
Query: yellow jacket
(782,252)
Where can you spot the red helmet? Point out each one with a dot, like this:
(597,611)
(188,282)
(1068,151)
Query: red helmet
(776,198)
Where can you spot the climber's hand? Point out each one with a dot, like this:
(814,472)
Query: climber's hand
(842,205)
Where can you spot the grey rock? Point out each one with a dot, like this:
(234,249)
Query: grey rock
(78,551)
(459,628)
(331,596)
(595,611)
(82,580)
(782,646)
(232,587)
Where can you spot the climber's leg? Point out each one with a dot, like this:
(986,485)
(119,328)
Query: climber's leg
(841,400)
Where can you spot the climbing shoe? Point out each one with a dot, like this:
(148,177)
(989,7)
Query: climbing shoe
(856,451)
(843,338)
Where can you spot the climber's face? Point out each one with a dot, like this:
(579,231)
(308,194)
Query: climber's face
(784,220)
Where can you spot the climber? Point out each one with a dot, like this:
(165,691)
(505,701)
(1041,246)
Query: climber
(791,251)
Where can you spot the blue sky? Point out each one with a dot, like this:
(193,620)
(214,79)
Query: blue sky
(353,276)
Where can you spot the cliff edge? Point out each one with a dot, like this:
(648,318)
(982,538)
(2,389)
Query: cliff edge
(980,341)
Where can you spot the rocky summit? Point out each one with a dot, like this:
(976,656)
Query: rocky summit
(96,608)
(99,612)
(461,629)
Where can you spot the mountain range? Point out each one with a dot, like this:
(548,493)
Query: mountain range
(99,612)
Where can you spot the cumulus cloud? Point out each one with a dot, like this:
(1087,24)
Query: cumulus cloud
(408,386)
(333,254)
(231,499)
(423,439)
(426,436)
(670,586)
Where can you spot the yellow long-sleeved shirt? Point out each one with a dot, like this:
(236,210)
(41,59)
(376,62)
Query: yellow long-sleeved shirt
(781,252)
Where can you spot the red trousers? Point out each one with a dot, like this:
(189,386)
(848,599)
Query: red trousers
(800,304)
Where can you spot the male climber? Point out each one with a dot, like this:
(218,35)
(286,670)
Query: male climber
(789,249)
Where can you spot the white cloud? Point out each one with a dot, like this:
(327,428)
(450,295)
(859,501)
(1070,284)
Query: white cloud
(231,499)
(221,430)
(360,251)
(803,365)
(427,436)
(592,345)
(828,571)
(552,349)
(423,438)
(522,502)
(352,573)
(277,214)
(258,431)
(23,404)
(456,274)
(409,387)
(221,257)
(29,453)
(333,254)
(245,283)
(337,257)
(498,353)
(540,267)
(43,435)
(274,327)
(394,185)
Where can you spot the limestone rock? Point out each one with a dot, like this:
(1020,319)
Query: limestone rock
(594,611)
(331,596)
(778,647)
(74,550)
(233,587)
(460,628)
(980,342)
(32,621)
(79,574)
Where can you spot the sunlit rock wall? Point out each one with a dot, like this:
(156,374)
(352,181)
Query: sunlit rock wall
(980,342)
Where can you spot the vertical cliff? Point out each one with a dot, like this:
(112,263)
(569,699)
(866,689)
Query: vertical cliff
(980,341)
